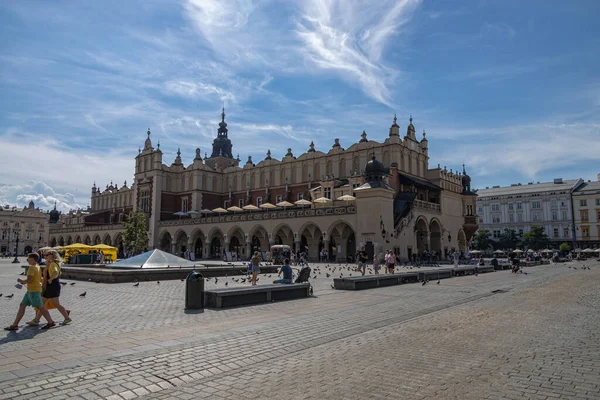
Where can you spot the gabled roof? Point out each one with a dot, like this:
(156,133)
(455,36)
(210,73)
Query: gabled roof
(409,180)
(153,259)
(566,184)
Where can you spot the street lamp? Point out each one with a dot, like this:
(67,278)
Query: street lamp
(16,260)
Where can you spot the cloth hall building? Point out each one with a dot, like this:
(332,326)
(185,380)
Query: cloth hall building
(399,202)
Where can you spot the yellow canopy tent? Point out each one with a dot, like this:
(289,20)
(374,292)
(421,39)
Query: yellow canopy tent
(110,253)
(75,248)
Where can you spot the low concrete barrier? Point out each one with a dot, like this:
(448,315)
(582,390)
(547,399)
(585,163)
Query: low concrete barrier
(231,297)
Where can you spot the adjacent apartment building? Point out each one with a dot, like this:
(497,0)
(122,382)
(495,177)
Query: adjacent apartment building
(586,204)
(22,230)
(521,206)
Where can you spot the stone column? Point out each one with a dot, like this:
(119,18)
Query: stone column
(249,250)
(173,246)
(326,247)
(428,241)
(206,252)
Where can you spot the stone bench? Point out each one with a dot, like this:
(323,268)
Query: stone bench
(374,281)
(241,296)
(436,274)
(462,271)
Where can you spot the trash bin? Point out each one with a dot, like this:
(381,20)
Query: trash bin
(194,291)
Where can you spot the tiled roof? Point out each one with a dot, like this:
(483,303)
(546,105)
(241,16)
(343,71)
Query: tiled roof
(566,184)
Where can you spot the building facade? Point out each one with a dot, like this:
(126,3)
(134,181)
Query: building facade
(586,204)
(519,207)
(22,230)
(400,203)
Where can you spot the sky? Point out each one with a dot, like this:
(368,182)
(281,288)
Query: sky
(510,88)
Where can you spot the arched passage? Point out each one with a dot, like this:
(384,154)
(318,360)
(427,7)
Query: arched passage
(69,240)
(342,242)
(217,243)
(435,235)
(283,234)
(421,233)
(61,241)
(97,240)
(165,242)
(311,239)
(236,246)
(198,240)
(53,242)
(87,240)
(118,243)
(181,243)
(107,240)
(259,238)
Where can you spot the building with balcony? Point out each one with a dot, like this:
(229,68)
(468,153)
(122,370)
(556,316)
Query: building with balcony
(520,206)
(586,205)
(29,225)
(399,202)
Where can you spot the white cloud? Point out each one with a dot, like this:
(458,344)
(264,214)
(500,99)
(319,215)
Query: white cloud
(197,89)
(347,37)
(58,172)
(43,196)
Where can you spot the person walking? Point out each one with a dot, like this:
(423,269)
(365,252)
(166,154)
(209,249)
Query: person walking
(33,296)
(362,260)
(391,264)
(51,288)
(376,265)
(255,267)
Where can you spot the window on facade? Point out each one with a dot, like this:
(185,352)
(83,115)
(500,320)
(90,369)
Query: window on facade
(495,207)
(5,223)
(555,232)
(481,220)
(583,203)
(536,204)
(17,225)
(520,217)
(566,232)
(554,215)
(519,206)
(241,203)
(598,202)
(554,203)
(495,219)
(277,199)
(563,215)
(563,203)
(584,216)
(300,196)
(28,236)
(4,235)
(496,234)
(184,204)
(327,192)
(145,201)
(511,206)
(585,231)
(258,201)
(598,216)
(511,217)
(480,209)
(537,217)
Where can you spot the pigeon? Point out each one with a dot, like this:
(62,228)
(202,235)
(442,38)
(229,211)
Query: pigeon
(438,282)
(216,280)
(0,294)
(136,285)
(333,287)
(182,279)
(97,281)
(226,283)
(10,296)
(22,273)
(73,283)
(424,282)
(311,291)
(327,275)
(243,280)
(158,282)
(83,294)
(269,276)
(63,283)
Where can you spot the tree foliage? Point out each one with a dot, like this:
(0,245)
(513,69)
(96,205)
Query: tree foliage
(509,239)
(482,240)
(536,239)
(135,236)
(565,247)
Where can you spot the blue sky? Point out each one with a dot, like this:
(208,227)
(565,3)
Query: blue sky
(511,88)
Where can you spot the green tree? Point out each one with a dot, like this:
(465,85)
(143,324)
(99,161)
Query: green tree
(536,239)
(482,240)
(509,239)
(135,237)
(564,247)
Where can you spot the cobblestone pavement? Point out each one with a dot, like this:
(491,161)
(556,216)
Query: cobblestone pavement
(537,338)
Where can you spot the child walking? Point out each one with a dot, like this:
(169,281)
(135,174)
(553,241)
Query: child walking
(33,296)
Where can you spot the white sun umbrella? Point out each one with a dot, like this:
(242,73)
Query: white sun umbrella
(475,252)
(346,197)
(219,210)
(517,251)
(250,207)
(205,211)
(284,204)
(589,250)
(531,251)
(322,200)
(268,206)
(234,209)
(193,212)
(303,202)
(498,252)
(180,213)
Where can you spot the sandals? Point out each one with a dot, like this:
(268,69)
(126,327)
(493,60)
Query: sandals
(11,328)
(49,325)
(33,322)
